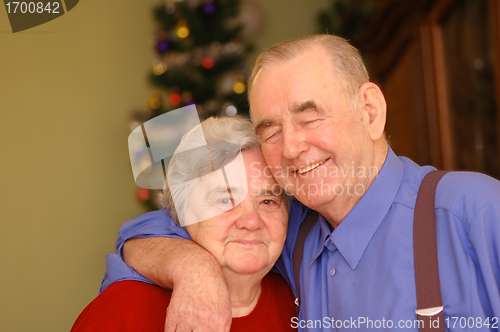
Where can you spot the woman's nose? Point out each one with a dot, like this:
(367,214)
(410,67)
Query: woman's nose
(249,219)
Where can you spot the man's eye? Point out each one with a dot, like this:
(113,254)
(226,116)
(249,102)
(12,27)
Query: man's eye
(272,137)
(268,138)
(310,121)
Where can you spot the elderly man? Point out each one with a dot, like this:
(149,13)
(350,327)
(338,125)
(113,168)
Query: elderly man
(321,126)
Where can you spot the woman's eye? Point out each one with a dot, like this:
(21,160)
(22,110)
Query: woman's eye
(268,202)
(225,201)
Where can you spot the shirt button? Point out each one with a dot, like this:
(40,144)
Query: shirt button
(332,272)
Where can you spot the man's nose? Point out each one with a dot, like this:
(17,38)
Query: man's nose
(249,219)
(293,141)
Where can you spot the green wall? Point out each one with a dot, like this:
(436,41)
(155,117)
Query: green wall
(66,185)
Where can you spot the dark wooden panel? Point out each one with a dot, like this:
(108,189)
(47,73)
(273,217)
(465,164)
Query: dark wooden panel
(469,70)
(406,116)
(438,63)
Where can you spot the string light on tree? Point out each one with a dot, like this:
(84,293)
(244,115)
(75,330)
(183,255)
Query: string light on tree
(209,8)
(162,46)
(143,194)
(159,67)
(207,62)
(239,87)
(154,100)
(175,99)
(182,30)
(231,110)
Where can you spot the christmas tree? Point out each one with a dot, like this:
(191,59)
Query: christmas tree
(200,48)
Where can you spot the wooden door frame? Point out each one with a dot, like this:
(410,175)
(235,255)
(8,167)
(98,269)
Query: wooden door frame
(442,101)
(437,15)
(495,42)
(430,96)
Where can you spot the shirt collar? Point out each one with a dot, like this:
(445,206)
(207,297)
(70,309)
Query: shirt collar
(352,235)
(324,234)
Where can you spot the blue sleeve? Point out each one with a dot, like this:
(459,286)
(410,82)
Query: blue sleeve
(151,224)
(484,234)
(474,199)
(485,239)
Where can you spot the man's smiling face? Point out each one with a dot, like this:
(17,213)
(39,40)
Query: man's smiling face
(316,145)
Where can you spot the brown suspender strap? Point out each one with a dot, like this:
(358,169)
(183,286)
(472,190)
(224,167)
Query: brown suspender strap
(429,303)
(298,250)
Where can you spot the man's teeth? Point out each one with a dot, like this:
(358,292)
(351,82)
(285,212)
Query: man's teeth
(310,167)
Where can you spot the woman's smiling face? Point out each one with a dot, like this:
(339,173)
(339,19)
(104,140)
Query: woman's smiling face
(247,238)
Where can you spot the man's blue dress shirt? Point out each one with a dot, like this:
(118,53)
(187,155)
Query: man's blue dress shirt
(361,275)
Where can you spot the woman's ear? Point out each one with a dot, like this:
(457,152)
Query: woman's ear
(373,103)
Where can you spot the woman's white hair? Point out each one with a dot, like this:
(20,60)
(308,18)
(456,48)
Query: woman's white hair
(189,160)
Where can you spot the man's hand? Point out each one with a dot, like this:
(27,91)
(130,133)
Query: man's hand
(200,299)
(199,303)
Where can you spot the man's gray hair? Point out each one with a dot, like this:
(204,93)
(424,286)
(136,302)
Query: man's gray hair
(188,163)
(347,62)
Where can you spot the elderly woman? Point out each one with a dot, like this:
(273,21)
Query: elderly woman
(234,209)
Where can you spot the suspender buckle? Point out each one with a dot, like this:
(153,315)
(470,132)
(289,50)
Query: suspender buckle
(429,311)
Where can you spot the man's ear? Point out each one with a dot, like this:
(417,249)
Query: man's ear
(372,102)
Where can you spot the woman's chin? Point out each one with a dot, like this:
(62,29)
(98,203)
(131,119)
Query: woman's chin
(248,265)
